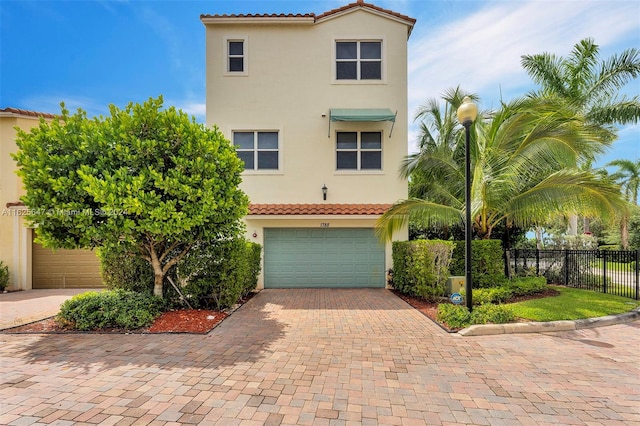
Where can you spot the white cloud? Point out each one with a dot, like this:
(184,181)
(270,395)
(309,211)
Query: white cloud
(197,109)
(482,51)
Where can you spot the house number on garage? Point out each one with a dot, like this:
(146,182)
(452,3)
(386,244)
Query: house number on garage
(324,224)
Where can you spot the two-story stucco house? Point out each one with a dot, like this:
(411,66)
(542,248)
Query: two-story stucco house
(316,106)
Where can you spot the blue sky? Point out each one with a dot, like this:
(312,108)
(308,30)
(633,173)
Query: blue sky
(93,53)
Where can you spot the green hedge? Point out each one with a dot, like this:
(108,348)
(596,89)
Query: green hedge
(4,276)
(123,270)
(487,262)
(421,267)
(109,309)
(219,273)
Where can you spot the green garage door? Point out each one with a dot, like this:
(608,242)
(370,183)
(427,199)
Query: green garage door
(296,258)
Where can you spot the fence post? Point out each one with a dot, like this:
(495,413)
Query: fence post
(566,267)
(537,262)
(604,271)
(638,274)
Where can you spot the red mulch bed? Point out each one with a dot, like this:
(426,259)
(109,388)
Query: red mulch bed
(194,321)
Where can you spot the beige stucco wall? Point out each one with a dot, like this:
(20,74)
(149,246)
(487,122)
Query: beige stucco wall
(15,237)
(290,85)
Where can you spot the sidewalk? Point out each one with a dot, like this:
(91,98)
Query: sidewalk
(22,307)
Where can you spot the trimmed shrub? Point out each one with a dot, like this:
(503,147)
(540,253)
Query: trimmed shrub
(421,267)
(218,273)
(458,316)
(454,316)
(4,276)
(514,288)
(108,309)
(123,270)
(492,314)
(487,262)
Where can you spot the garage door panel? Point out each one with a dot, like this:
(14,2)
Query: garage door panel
(64,268)
(323,258)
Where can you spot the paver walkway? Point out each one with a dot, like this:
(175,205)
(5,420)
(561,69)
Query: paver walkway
(323,357)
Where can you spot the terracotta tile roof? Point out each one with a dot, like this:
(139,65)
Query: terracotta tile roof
(313,16)
(361,3)
(318,209)
(261,15)
(27,113)
(15,204)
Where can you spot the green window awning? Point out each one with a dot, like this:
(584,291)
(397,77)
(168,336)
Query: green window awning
(361,115)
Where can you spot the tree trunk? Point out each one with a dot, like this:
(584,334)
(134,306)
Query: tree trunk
(157,273)
(572,228)
(585,224)
(624,232)
(539,238)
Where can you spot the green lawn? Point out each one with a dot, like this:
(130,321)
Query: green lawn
(615,266)
(573,304)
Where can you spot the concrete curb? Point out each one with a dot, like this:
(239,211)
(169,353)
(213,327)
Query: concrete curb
(17,322)
(542,327)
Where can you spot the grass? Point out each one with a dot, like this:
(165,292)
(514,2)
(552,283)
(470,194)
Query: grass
(572,304)
(615,266)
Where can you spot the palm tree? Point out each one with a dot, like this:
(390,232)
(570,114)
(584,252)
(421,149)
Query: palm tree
(524,159)
(590,87)
(628,175)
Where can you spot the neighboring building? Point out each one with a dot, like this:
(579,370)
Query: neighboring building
(317,108)
(30,265)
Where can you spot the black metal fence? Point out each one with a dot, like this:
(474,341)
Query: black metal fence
(607,271)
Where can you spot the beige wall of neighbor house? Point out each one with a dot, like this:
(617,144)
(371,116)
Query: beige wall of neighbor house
(79,268)
(15,237)
(286,84)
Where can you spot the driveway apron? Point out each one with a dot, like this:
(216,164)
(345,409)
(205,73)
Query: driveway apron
(323,356)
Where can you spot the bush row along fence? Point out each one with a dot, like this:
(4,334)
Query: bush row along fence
(608,271)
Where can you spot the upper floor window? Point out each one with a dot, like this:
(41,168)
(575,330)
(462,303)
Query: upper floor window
(359,60)
(359,151)
(235,56)
(258,149)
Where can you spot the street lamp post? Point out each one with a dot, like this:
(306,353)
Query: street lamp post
(467,113)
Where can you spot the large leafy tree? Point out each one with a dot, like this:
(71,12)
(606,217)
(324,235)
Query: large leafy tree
(145,175)
(524,161)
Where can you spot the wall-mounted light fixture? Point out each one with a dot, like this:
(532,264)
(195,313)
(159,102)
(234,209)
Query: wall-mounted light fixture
(324,192)
(255,234)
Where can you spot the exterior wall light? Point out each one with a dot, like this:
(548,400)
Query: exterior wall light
(467,113)
(324,192)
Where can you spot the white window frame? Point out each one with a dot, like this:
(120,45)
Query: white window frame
(359,150)
(255,149)
(358,80)
(245,55)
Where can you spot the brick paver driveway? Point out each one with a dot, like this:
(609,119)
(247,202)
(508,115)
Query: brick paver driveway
(323,357)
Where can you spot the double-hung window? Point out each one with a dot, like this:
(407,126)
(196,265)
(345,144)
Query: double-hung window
(235,56)
(359,151)
(258,149)
(359,60)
